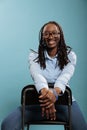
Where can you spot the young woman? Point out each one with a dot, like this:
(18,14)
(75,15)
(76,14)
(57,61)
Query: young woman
(54,63)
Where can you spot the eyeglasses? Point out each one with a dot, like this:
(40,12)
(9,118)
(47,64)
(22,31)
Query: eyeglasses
(54,34)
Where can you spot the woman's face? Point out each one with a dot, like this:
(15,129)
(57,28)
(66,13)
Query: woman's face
(51,35)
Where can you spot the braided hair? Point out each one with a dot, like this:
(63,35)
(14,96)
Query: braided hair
(62,52)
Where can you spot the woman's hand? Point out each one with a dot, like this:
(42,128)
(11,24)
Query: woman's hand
(50,113)
(47,100)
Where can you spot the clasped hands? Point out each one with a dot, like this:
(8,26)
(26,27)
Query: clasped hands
(47,100)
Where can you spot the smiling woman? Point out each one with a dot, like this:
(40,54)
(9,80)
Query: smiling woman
(54,63)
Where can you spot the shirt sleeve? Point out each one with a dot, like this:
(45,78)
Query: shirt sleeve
(35,71)
(67,72)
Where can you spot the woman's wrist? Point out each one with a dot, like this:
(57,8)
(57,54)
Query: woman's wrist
(55,93)
(58,90)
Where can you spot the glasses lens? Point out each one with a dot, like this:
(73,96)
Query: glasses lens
(47,34)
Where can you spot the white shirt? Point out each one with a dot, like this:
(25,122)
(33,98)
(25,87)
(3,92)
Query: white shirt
(52,73)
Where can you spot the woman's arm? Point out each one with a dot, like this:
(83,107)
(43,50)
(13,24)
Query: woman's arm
(35,71)
(66,73)
(42,86)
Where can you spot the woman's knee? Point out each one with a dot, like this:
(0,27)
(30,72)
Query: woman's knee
(12,121)
(77,117)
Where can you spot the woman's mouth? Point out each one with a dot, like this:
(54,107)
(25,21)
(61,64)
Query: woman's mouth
(51,42)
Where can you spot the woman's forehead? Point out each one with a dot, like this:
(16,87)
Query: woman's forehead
(50,27)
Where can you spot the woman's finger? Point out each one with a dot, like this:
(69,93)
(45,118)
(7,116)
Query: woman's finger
(47,113)
(47,104)
(43,111)
(44,101)
(52,111)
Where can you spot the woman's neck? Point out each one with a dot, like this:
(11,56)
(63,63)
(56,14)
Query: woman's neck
(52,52)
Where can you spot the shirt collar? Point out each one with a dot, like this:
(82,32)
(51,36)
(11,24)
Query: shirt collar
(48,57)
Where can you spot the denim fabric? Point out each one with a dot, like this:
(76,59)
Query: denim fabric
(13,120)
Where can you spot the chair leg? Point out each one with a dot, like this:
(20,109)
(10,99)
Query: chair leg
(66,128)
(28,127)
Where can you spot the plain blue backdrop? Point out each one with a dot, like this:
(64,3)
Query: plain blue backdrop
(20,22)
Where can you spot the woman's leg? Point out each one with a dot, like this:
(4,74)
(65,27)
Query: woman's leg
(78,121)
(14,120)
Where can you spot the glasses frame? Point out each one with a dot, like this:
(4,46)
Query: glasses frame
(53,34)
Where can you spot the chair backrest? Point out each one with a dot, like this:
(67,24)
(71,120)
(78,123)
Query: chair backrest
(30,94)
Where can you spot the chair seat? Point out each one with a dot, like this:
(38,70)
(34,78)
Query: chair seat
(47,122)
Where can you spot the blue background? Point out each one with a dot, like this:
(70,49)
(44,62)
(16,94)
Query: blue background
(20,22)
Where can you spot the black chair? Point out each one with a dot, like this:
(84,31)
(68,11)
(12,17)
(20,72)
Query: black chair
(29,96)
